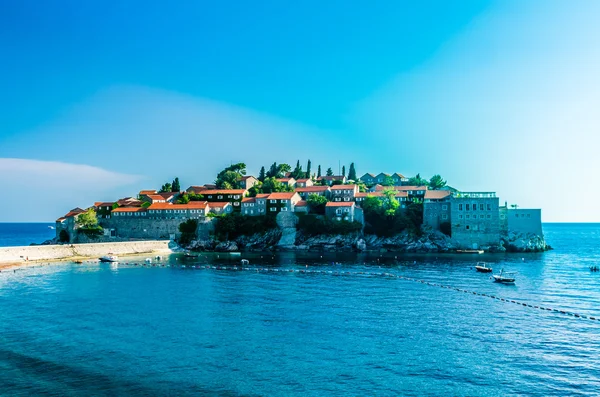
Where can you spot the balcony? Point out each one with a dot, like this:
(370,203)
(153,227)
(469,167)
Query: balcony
(474,195)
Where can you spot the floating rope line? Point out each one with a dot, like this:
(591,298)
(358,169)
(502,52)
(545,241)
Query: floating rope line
(369,274)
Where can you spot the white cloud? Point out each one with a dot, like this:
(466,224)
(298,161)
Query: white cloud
(44,190)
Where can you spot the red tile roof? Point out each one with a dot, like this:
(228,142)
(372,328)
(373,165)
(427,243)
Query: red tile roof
(302,180)
(129,209)
(196,189)
(224,191)
(436,194)
(309,189)
(263,195)
(343,187)
(145,192)
(105,204)
(400,188)
(340,204)
(219,204)
(156,197)
(249,200)
(281,196)
(192,205)
(301,203)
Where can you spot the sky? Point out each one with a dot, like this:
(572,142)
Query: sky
(100,100)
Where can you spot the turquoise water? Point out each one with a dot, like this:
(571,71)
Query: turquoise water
(20,234)
(99,329)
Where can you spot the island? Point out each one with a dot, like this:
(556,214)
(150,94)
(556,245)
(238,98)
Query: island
(297,209)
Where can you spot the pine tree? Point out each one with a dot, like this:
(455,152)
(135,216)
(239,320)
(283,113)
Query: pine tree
(352,172)
(297,173)
(343,170)
(319,171)
(261,174)
(329,172)
(272,171)
(307,175)
(175,187)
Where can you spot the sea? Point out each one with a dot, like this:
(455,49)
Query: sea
(305,324)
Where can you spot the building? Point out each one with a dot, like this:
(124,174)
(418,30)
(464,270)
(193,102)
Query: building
(282,202)
(414,192)
(401,197)
(129,202)
(196,189)
(103,209)
(233,196)
(475,219)
(222,207)
(399,179)
(67,222)
(368,179)
(246,182)
(301,207)
(291,182)
(436,208)
(147,192)
(304,182)
(340,211)
(525,221)
(304,192)
(191,210)
(328,180)
(343,192)
(253,206)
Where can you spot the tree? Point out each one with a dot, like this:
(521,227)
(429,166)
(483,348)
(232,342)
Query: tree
(175,187)
(343,170)
(282,169)
(229,177)
(261,174)
(166,188)
(272,171)
(436,182)
(388,181)
(188,231)
(417,181)
(297,173)
(319,171)
(271,185)
(352,173)
(307,173)
(329,172)
(316,203)
(87,219)
(390,204)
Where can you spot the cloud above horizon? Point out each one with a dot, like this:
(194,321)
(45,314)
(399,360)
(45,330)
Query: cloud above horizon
(44,190)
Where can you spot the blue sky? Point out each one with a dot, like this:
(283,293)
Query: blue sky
(99,100)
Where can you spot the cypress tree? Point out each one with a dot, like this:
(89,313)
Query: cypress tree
(352,172)
(319,171)
(175,187)
(329,172)
(308,170)
(261,174)
(343,170)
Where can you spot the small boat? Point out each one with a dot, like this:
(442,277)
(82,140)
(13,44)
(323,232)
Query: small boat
(481,267)
(469,251)
(506,278)
(109,258)
(78,262)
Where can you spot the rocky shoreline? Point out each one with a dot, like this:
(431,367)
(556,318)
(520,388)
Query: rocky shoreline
(429,242)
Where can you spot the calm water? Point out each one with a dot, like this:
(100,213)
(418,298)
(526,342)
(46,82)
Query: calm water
(128,330)
(18,234)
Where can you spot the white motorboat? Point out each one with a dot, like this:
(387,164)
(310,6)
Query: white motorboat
(505,277)
(109,258)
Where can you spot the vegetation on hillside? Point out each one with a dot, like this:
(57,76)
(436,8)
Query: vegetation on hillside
(87,223)
(314,225)
(231,226)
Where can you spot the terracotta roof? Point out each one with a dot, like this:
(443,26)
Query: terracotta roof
(301,203)
(73,212)
(61,219)
(192,205)
(155,197)
(249,200)
(224,191)
(343,187)
(196,189)
(105,204)
(263,195)
(340,204)
(129,209)
(379,194)
(145,192)
(167,195)
(400,188)
(303,180)
(437,194)
(281,196)
(309,189)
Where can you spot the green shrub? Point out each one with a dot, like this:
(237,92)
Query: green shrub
(231,226)
(313,225)
(188,231)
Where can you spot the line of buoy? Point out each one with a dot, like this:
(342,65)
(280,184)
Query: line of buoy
(390,275)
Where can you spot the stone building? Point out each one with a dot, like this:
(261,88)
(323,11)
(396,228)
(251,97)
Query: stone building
(304,192)
(526,221)
(340,210)
(436,208)
(475,219)
(343,192)
(282,202)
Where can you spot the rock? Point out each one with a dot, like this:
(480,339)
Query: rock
(361,245)
(227,246)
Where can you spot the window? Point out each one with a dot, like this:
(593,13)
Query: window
(489,216)
(284,208)
(444,216)
(273,209)
(460,207)
(482,216)
(251,204)
(260,202)
(467,227)
(444,207)
(468,207)
(528,215)
(338,211)
(273,201)
(346,209)
(337,199)
(236,197)
(218,209)
(516,215)
(481,207)
(489,207)
(468,216)
(460,217)
(261,210)
(474,207)
(219,197)
(346,198)
(283,201)
(237,204)
(210,197)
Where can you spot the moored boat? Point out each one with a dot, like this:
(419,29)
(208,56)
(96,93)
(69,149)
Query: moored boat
(109,258)
(504,277)
(469,251)
(482,267)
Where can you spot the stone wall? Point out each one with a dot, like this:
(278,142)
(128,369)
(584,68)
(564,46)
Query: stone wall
(525,221)
(151,229)
(474,229)
(57,252)
(435,213)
